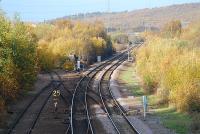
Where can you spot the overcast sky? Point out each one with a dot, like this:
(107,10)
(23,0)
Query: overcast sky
(39,10)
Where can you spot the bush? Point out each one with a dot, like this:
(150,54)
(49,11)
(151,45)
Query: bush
(172,29)
(120,38)
(82,39)
(68,66)
(163,95)
(171,67)
(18,61)
(182,79)
(24,54)
(195,127)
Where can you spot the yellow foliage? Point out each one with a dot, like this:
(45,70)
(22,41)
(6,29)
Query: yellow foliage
(99,45)
(64,38)
(172,29)
(9,87)
(68,66)
(171,67)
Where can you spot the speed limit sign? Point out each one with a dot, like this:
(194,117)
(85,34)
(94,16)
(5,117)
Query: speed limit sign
(56,93)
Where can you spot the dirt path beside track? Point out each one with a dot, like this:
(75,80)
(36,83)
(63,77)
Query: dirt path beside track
(152,124)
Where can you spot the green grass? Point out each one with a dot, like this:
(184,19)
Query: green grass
(152,100)
(130,81)
(170,118)
(179,122)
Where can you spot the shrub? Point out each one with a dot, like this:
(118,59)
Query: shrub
(68,65)
(182,79)
(120,38)
(82,39)
(18,61)
(195,127)
(171,67)
(24,54)
(172,29)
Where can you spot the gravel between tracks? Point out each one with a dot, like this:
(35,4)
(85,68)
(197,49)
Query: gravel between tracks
(16,107)
(102,118)
(70,80)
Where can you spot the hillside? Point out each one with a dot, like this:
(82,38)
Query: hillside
(138,20)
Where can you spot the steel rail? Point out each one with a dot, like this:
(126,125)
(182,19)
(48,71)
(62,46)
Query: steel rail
(79,83)
(27,107)
(119,106)
(39,113)
(62,97)
(43,105)
(86,98)
(103,102)
(116,102)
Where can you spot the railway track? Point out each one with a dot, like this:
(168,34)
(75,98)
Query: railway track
(112,106)
(85,124)
(27,121)
(65,95)
(80,95)
(78,116)
(26,112)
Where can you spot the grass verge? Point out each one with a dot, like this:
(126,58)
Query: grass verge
(179,122)
(128,77)
(170,118)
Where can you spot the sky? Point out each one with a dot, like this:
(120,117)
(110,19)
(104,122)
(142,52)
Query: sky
(40,10)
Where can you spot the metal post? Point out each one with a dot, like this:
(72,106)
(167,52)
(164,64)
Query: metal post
(129,51)
(78,65)
(144,98)
(108,4)
(98,58)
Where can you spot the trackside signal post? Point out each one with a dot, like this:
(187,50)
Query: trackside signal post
(98,58)
(129,57)
(144,100)
(78,66)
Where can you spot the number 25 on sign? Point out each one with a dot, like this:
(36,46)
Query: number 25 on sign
(56,93)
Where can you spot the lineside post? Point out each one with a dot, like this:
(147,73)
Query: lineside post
(144,99)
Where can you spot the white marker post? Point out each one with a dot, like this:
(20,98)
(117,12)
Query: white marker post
(78,64)
(144,98)
(129,55)
(98,58)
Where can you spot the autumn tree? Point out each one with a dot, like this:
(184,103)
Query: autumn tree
(172,29)
(86,40)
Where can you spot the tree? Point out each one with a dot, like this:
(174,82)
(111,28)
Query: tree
(24,54)
(172,29)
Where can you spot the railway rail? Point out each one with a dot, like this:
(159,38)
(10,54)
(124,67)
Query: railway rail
(116,108)
(77,102)
(84,125)
(28,118)
(78,94)
(27,109)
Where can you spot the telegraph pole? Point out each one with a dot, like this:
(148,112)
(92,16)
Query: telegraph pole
(108,12)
